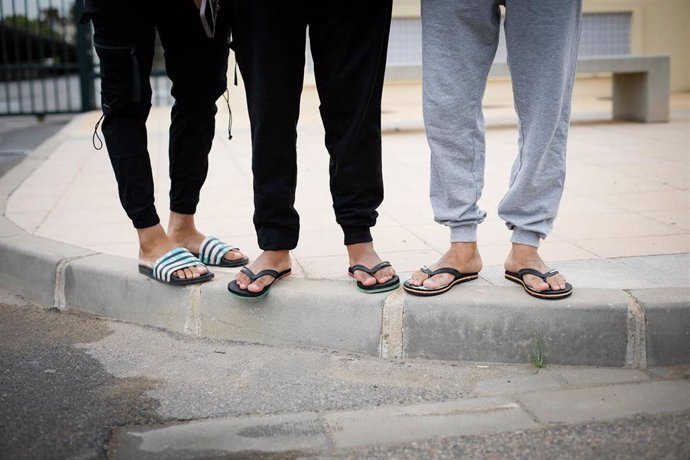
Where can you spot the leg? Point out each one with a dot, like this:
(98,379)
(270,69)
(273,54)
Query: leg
(124,44)
(123,38)
(542,40)
(459,45)
(197,67)
(269,38)
(349,41)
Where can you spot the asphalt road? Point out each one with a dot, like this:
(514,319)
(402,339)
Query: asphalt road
(640,437)
(55,400)
(20,135)
(68,382)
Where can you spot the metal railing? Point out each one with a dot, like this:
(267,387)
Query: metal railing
(45,58)
(47,61)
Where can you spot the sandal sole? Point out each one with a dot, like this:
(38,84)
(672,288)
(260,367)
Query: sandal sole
(448,287)
(537,294)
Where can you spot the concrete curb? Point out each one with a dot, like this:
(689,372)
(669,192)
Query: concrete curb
(602,327)
(597,327)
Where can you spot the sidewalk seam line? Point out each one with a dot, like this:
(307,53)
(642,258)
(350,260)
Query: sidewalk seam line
(530,414)
(192,324)
(636,351)
(59,299)
(391,335)
(327,429)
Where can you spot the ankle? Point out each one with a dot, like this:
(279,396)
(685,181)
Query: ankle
(523,256)
(275,257)
(523,251)
(181,223)
(463,251)
(151,238)
(358,250)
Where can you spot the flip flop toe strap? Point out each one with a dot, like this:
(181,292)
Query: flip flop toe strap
(451,271)
(212,250)
(255,276)
(172,261)
(537,273)
(368,270)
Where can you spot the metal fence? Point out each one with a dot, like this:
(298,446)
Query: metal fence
(47,61)
(45,58)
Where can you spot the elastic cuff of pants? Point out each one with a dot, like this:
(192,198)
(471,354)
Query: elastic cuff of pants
(355,235)
(463,234)
(277,240)
(146,222)
(525,237)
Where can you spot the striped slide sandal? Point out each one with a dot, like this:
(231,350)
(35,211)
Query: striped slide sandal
(212,253)
(164,268)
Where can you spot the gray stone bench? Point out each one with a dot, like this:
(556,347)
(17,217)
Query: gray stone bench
(641,84)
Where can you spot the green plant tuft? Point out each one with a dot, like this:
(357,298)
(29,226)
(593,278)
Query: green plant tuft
(538,356)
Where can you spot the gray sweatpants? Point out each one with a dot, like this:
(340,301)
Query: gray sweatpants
(459,43)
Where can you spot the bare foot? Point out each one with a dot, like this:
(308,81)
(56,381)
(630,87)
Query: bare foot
(153,243)
(364,254)
(463,257)
(524,256)
(182,231)
(273,260)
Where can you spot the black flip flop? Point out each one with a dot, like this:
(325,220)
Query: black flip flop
(549,293)
(389,285)
(235,290)
(458,278)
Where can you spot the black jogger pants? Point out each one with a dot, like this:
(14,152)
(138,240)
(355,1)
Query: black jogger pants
(124,34)
(348,39)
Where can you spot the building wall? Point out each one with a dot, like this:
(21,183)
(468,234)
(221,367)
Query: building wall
(659,27)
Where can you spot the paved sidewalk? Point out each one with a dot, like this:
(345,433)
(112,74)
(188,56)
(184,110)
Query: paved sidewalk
(627,191)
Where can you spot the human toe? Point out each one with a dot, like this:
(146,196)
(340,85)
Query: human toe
(233,255)
(536,283)
(364,278)
(384,275)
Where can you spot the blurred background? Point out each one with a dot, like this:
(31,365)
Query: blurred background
(47,65)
